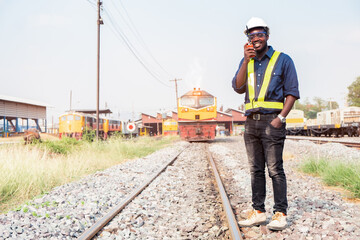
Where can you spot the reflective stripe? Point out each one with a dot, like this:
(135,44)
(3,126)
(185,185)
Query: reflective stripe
(273,105)
(251,79)
(267,78)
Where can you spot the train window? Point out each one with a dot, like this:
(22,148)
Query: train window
(77,118)
(63,118)
(188,101)
(206,101)
(70,117)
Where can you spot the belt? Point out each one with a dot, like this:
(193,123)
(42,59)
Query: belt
(258,116)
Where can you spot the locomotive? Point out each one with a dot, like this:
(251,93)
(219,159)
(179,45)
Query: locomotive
(197,116)
(74,124)
(337,122)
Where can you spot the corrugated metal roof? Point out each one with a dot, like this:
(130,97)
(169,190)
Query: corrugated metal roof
(224,113)
(26,101)
(91,111)
(233,109)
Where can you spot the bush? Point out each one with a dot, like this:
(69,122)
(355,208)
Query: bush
(64,146)
(89,135)
(116,135)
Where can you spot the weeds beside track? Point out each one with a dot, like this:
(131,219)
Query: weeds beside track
(32,170)
(335,173)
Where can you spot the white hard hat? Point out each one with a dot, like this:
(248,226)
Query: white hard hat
(256,22)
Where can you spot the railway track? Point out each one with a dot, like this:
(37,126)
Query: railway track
(182,202)
(348,143)
(98,226)
(231,219)
(234,228)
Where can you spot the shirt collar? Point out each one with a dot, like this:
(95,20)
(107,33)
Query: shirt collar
(270,52)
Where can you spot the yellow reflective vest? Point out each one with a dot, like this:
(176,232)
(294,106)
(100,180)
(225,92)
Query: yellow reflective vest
(258,101)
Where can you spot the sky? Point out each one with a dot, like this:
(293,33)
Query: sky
(48,50)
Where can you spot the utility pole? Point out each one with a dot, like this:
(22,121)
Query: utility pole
(99,22)
(70,98)
(175,80)
(330,103)
(132,111)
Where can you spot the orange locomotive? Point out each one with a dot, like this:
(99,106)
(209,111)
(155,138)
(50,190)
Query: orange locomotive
(197,116)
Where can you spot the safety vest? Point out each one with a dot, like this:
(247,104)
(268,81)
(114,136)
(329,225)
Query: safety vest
(258,101)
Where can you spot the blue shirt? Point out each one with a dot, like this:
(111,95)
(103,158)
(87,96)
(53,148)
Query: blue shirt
(283,82)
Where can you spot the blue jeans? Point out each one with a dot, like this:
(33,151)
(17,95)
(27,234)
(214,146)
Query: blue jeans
(264,144)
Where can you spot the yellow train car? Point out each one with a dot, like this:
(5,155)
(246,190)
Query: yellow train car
(144,130)
(170,127)
(73,124)
(197,115)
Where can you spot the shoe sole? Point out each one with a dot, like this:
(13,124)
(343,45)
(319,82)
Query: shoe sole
(276,228)
(255,224)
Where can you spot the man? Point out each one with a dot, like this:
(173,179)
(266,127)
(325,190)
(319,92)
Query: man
(270,82)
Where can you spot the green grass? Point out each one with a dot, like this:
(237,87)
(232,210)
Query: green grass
(65,146)
(335,173)
(32,170)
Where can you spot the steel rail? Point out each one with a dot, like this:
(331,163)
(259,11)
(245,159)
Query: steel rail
(323,141)
(233,226)
(89,233)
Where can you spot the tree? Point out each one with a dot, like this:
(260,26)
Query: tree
(320,104)
(311,109)
(307,107)
(354,93)
(331,105)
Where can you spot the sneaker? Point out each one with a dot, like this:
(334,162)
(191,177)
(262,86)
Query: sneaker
(278,222)
(245,213)
(254,217)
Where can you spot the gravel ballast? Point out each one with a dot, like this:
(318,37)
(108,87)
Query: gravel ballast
(183,204)
(314,211)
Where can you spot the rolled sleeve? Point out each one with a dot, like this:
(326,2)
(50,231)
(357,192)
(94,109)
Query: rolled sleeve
(242,89)
(291,84)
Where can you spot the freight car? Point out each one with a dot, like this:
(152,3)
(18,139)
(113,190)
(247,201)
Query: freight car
(197,116)
(74,124)
(337,122)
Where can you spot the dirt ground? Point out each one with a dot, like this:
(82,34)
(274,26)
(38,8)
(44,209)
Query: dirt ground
(43,136)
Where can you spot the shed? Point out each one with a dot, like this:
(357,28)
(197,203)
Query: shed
(13,109)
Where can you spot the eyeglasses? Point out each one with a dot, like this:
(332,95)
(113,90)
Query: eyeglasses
(251,36)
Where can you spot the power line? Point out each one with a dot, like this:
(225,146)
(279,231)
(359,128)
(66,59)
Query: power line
(92,3)
(119,33)
(138,35)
